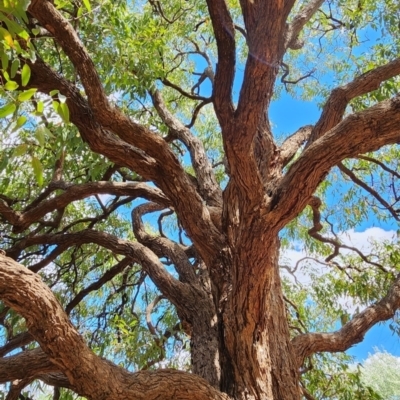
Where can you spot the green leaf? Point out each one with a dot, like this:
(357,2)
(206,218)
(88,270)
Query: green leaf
(38,170)
(26,94)
(20,122)
(40,136)
(4,60)
(39,107)
(11,85)
(14,68)
(20,150)
(7,37)
(7,110)
(25,74)
(54,92)
(87,5)
(63,110)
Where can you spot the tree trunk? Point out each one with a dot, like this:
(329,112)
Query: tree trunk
(256,357)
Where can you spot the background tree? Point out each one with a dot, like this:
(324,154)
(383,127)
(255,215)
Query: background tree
(120,115)
(381,371)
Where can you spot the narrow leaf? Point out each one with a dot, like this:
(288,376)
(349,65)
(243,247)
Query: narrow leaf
(26,94)
(25,74)
(20,150)
(38,170)
(7,110)
(87,5)
(40,136)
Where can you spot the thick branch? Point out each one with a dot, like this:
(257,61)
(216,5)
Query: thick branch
(298,22)
(361,132)
(90,375)
(337,102)
(27,364)
(351,333)
(292,144)
(141,150)
(224,31)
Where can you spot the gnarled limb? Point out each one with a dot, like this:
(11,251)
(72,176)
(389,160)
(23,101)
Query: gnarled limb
(358,133)
(90,375)
(162,246)
(353,331)
(340,97)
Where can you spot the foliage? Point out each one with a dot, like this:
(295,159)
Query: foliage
(139,48)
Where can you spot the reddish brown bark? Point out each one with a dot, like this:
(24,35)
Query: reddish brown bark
(232,304)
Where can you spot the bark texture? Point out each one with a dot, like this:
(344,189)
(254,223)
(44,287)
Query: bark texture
(230,299)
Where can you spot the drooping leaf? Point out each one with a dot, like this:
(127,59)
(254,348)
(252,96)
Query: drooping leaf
(38,170)
(25,74)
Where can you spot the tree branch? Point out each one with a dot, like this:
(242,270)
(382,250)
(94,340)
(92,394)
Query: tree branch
(162,246)
(27,364)
(351,333)
(224,31)
(208,186)
(21,221)
(368,189)
(298,22)
(361,132)
(292,144)
(90,375)
(340,97)
(140,150)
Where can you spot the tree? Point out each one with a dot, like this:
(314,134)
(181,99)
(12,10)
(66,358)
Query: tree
(385,384)
(100,102)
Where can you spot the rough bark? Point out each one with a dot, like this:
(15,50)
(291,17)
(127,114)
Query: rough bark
(232,302)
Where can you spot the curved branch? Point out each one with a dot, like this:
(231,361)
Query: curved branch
(361,132)
(208,186)
(351,333)
(368,189)
(315,204)
(298,22)
(292,144)
(340,97)
(162,246)
(21,221)
(90,375)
